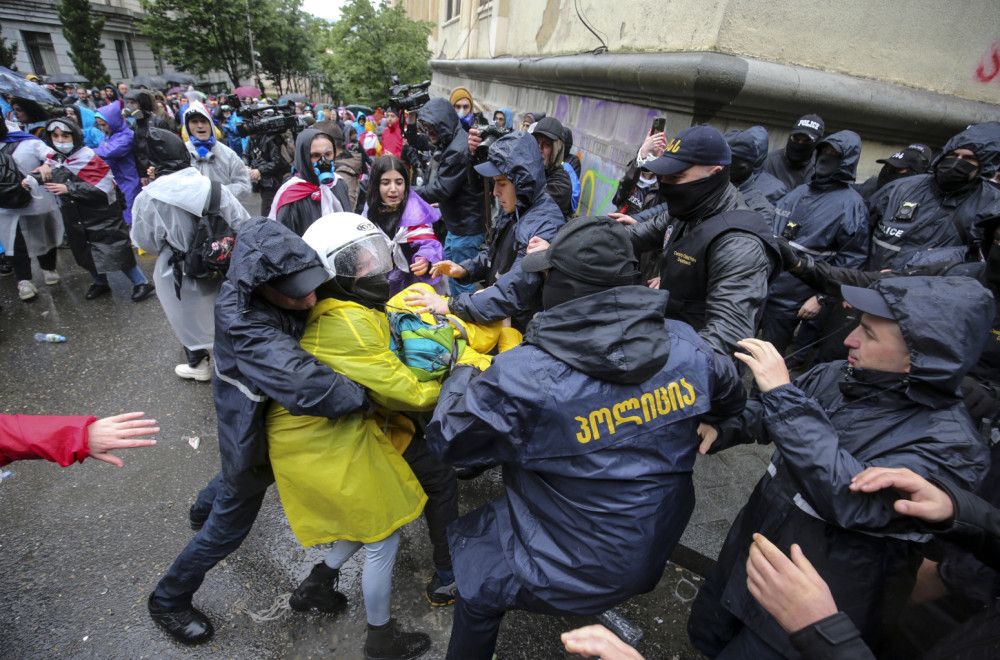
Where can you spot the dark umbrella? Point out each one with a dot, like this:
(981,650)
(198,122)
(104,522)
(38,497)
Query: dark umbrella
(152,82)
(355,109)
(295,98)
(247,90)
(19,87)
(174,90)
(178,78)
(63,78)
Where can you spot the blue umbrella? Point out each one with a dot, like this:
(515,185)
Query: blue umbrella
(19,87)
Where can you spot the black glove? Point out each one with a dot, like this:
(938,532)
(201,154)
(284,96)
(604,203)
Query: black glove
(789,257)
(981,399)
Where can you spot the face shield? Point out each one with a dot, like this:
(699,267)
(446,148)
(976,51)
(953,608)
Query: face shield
(350,246)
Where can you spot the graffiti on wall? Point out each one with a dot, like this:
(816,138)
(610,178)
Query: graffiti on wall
(989,64)
(606,135)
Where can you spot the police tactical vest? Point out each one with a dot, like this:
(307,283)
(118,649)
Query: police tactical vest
(684,268)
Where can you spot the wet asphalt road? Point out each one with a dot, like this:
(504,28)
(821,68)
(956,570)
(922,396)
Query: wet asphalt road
(83,546)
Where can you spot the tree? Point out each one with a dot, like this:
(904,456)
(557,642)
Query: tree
(83,32)
(367,45)
(8,54)
(286,53)
(200,36)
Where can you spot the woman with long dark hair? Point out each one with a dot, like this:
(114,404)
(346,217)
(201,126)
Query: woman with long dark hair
(407,220)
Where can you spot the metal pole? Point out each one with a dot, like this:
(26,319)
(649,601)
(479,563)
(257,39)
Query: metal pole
(253,56)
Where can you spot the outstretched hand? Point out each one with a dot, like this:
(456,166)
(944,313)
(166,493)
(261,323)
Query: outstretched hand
(708,435)
(449,268)
(426,301)
(119,432)
(926,501)
(765,362)
(537,244)
(597,640)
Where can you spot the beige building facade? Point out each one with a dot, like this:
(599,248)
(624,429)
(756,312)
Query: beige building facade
(894,72)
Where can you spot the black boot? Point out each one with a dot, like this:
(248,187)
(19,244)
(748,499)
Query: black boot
(388,642)
(189,627)
(319,592)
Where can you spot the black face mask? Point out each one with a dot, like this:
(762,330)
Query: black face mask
(798,153)
(827,165)
(373,288)
(888,175)
(740,171)
(695,200)
(953,173)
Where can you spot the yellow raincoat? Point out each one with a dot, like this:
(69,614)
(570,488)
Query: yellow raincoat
(344,478)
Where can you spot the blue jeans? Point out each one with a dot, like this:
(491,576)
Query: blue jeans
(233,509)
(458,249)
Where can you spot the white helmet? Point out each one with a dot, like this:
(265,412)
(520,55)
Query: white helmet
(349,245)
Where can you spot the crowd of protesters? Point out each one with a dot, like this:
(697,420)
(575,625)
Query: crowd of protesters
(592,358)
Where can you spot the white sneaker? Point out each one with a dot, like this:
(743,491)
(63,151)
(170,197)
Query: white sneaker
(51,277)
(201,372)
(26,290)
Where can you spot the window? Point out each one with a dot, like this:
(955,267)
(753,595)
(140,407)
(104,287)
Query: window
(452,9)
(41,52)
(123,49)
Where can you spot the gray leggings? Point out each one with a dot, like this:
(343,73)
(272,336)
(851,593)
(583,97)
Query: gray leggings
(376,579)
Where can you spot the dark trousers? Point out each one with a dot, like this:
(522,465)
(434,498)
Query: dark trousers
(232,509)
(22,262)
(473,631)
(195,357)
(266,197)
(439,482)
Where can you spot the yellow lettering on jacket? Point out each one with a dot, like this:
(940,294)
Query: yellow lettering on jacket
(684,259)
(661,401)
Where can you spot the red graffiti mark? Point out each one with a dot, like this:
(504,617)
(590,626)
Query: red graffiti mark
(992,59)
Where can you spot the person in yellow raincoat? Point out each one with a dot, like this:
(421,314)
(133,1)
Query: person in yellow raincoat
(345,479)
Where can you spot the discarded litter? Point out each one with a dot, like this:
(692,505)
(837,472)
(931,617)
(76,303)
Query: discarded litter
(194,441)
(51,337)
(619,625)
(6,474)
(677,590)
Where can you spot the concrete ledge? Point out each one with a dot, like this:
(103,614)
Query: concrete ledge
(714,86)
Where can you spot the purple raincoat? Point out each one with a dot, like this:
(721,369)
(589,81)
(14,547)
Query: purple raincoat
(417,233)
(116,150)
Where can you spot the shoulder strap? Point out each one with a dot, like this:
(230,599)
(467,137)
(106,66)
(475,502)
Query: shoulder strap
(8,148)
(215,198)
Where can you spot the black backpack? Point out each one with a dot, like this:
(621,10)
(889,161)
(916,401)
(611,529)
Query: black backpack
(211,246)
(12,195)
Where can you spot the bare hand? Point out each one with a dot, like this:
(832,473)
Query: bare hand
(708,435)
(151,172)
(45,171)
(420,266)
(765,362)
(26,183)
(254,175)
(810,309)
(790,590)
(474,140)
(449,268)
(597,640)
(622,218)
(653,145)
(926,501)
(653,283)
(119,432)
(56,188)
(929,585)
(537,244)
(426,301)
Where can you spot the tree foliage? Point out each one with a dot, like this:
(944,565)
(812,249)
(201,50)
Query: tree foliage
(83,32)
(286,44)
(367,45)
(200,36)
(8,54)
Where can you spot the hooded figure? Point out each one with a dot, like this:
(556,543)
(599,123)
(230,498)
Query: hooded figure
(118,151)
(510,291)
(825,218)
(793,165)
(92,136)
(937,209)
(559,181)
(214,159)
(760,189)
(458,197)
(508,117)
(166,216)
(305,198)
(97,233)
(573,455)
(830,424)
(141,111)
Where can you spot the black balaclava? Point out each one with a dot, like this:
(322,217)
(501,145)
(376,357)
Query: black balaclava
(695,200)
(888,174)
(740,170)
(370,290)
(827,165)
(952,174)
(799,154)
(560,288)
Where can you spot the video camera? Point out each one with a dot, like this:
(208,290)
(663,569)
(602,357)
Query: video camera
(490,133)
(265,119)
(408,97)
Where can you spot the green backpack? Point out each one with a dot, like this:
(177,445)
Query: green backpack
(430,351)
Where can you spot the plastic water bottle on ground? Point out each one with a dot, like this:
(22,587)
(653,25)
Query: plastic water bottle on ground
(51,337)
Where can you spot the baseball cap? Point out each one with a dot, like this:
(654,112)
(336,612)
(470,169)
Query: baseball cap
(916,158)
(698,145)
(811,125)
(867,300)
(594,249)
(300,284)
(550,127)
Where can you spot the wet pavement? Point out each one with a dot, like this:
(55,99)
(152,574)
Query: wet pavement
(83,546)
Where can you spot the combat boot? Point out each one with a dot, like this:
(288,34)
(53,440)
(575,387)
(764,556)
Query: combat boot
(388,642)
(319,592)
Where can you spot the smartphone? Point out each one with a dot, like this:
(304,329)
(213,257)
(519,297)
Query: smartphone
(659,125)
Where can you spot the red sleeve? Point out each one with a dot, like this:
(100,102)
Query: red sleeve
(61,439)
